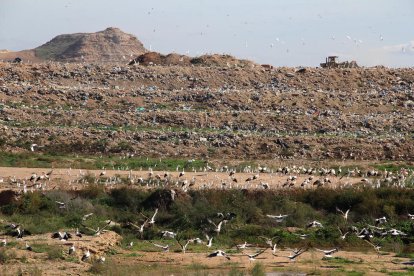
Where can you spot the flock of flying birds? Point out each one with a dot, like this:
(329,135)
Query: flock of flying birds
(367,233)
(379,230)
(16,230)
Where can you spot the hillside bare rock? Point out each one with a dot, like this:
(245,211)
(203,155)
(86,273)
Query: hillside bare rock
(109,45)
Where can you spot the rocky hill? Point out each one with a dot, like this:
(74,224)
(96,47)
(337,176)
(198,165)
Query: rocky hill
(105,46)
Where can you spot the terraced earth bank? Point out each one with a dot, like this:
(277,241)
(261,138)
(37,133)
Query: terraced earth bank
(219,108)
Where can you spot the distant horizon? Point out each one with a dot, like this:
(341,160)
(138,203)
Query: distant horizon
(280,33)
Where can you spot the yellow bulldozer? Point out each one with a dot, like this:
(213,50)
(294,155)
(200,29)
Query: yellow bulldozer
(330,62)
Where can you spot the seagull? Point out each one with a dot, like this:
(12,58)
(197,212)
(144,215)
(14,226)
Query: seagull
(278,218)
(152,221)
(101,259)
(181,173)
(99,230)
(365,234)
(78,234)
(28,247)
(296,253)
(86,255)
(345,215)
(243,245)
(217,227)
(140,228)
(61,236)
(343,236)
(32,147)
(274,249)
(183,246)
(72,249)
(252,257)
(302,236)
(394,232)
(209,241)
(165,248)
(62,205)
(328,253)
(12,226)
(20,232)
(218,253)
(85,217)
(269,241)
(379,221)
(376,247)
(314,224)
(168,234)
(404,263)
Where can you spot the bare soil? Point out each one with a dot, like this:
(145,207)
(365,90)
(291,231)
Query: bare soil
(146,262)
(218,111)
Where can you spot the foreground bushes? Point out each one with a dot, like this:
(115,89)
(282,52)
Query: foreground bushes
(189,212)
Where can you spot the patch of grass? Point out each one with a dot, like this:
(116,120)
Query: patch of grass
(134,254)
(6,255)
(72,259)
(354,273)
(98,268)
(197,266)
(66,160)
(339,260)
(235,272)
(34,271)
(54,253)
(258,270)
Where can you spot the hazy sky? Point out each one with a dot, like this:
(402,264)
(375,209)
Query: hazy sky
(278,32)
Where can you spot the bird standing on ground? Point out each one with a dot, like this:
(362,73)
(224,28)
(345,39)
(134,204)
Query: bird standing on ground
(86,255)
(61,236)
(77,233)
(28,247)
(72,249)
